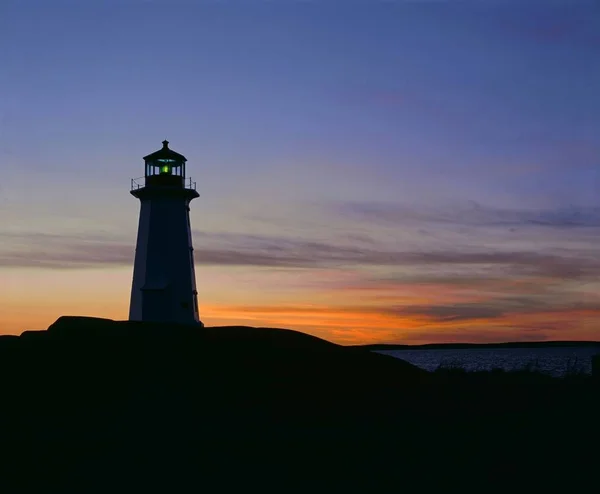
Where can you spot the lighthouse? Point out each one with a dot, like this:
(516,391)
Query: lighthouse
(164,279)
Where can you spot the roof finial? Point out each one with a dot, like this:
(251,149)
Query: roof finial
(165,144)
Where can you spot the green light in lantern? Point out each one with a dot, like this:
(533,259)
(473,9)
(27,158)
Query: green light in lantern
(165,169)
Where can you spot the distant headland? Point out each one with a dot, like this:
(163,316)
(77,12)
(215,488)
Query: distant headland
(467,346)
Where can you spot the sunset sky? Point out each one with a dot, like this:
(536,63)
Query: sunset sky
(369,171)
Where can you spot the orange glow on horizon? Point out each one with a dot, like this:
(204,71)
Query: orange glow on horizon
(34,299)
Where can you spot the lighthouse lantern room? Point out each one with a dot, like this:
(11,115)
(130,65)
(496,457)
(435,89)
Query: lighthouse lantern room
(164,280)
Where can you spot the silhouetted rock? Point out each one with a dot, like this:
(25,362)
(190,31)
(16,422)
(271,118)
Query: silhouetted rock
(124,405)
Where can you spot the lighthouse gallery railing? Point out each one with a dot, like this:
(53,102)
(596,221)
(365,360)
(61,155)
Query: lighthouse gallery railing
(138,183)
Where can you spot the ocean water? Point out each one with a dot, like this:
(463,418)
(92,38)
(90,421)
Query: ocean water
(554,361)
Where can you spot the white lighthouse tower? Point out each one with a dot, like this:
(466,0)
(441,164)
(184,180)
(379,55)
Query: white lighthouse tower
(164,280)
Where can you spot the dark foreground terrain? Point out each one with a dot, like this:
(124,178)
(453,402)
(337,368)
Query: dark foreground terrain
(100,406)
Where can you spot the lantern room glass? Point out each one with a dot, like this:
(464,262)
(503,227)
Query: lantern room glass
(164,166)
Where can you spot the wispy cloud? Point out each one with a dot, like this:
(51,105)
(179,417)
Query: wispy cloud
(285,252)
(551,23)
(237,249)
(501,308)
(472,214)
(66,251)
(384,291)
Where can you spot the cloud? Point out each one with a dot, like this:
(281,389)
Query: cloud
(457,312)
(67,251)
(64,252)
(302,254)
(268,250)
(394,101)
(550,30)
(471,214)
(381,293)
(551,24)
(500,308)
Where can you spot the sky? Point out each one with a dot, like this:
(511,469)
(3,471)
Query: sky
(369,171)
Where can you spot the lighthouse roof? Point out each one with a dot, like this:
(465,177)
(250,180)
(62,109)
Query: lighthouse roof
(165,153)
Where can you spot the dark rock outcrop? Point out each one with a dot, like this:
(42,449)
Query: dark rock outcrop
(93,404)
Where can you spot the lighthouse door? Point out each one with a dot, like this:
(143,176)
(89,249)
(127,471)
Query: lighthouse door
(156,304)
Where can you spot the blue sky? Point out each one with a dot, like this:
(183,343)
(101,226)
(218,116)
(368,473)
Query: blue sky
(386,127)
